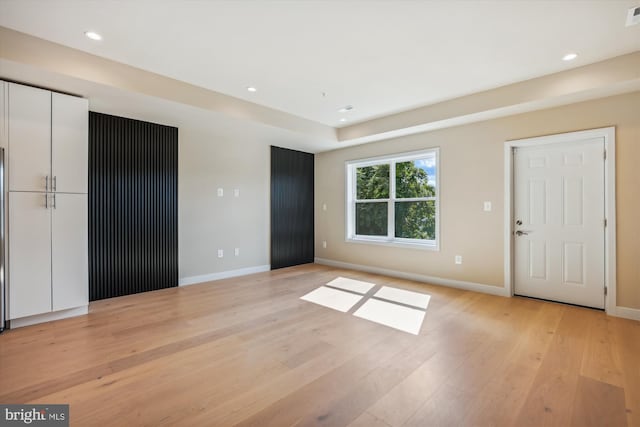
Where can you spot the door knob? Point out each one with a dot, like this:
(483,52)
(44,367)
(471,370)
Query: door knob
(518,222)
(522,233)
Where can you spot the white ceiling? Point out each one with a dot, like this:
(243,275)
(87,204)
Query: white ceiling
(379,56)
(219,128)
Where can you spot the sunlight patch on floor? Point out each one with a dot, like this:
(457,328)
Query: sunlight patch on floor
(352,285)
(414,299)
(393,315)
(332,298)
(396,308)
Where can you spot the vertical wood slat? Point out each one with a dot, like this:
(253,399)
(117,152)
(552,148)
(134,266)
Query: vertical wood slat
(133,206)
(292,201)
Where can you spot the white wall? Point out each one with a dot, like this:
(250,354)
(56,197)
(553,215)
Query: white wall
(471,172)
(208,160)
(213,151)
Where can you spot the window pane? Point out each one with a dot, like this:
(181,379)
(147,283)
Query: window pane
(416,220)
(416,178)
(371,219)
(372,182)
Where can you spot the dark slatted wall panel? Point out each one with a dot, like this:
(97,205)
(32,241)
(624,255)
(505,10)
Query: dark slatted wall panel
(133,206)
(291,207)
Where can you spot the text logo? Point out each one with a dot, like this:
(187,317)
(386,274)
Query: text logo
(36,415)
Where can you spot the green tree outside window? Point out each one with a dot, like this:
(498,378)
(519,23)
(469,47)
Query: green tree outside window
(414,219)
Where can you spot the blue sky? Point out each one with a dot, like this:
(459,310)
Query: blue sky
(428,165)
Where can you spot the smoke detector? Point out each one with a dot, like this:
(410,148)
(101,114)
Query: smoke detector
(633,16)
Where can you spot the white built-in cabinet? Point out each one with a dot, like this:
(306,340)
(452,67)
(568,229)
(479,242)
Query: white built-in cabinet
(69,143)
(48,230)
(29,254)
(29,138)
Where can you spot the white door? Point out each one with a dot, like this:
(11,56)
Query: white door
(29,255)
(29,138)
(559,215)
(69,143)
(69,245)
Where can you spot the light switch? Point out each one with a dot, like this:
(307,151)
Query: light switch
(458,259)
(487,206)
(324,206)
(236,192)
(220,192)
(236,251)
(220,253)
(324,244)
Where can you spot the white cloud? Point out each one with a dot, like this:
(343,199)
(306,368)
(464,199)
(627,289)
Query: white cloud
(429,162)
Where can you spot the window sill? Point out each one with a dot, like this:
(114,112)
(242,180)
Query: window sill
(394,243)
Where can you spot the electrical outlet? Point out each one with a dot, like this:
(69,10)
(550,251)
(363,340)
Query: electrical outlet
(487,206)
(220,253)
(220,192)
(324,244)
(236,251)
(236,192)
(458,259)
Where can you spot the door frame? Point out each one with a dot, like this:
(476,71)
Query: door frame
(609,135)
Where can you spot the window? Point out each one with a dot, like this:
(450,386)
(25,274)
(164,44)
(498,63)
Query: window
(394,200)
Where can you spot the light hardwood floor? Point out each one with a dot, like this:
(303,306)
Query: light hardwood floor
(248,351)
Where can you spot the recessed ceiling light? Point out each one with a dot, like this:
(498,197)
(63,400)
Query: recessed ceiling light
(93,35)
(252,89)
(570,56)
(345,109)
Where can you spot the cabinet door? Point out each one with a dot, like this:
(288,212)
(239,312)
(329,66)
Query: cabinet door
(29,138)
(69,246)
(69,143)
(29,255)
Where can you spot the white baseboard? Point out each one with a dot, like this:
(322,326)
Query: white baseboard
(459,284)
(192,280)
(627,313)
(48,317)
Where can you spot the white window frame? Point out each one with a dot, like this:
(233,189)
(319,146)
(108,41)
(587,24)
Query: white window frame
(390,239)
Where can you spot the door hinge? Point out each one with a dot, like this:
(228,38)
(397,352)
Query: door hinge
(605,291)
(605,222)
(605,154)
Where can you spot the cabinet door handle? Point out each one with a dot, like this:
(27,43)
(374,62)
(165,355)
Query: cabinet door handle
(46,201)
(55,183)
(53,204)
(46,183)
